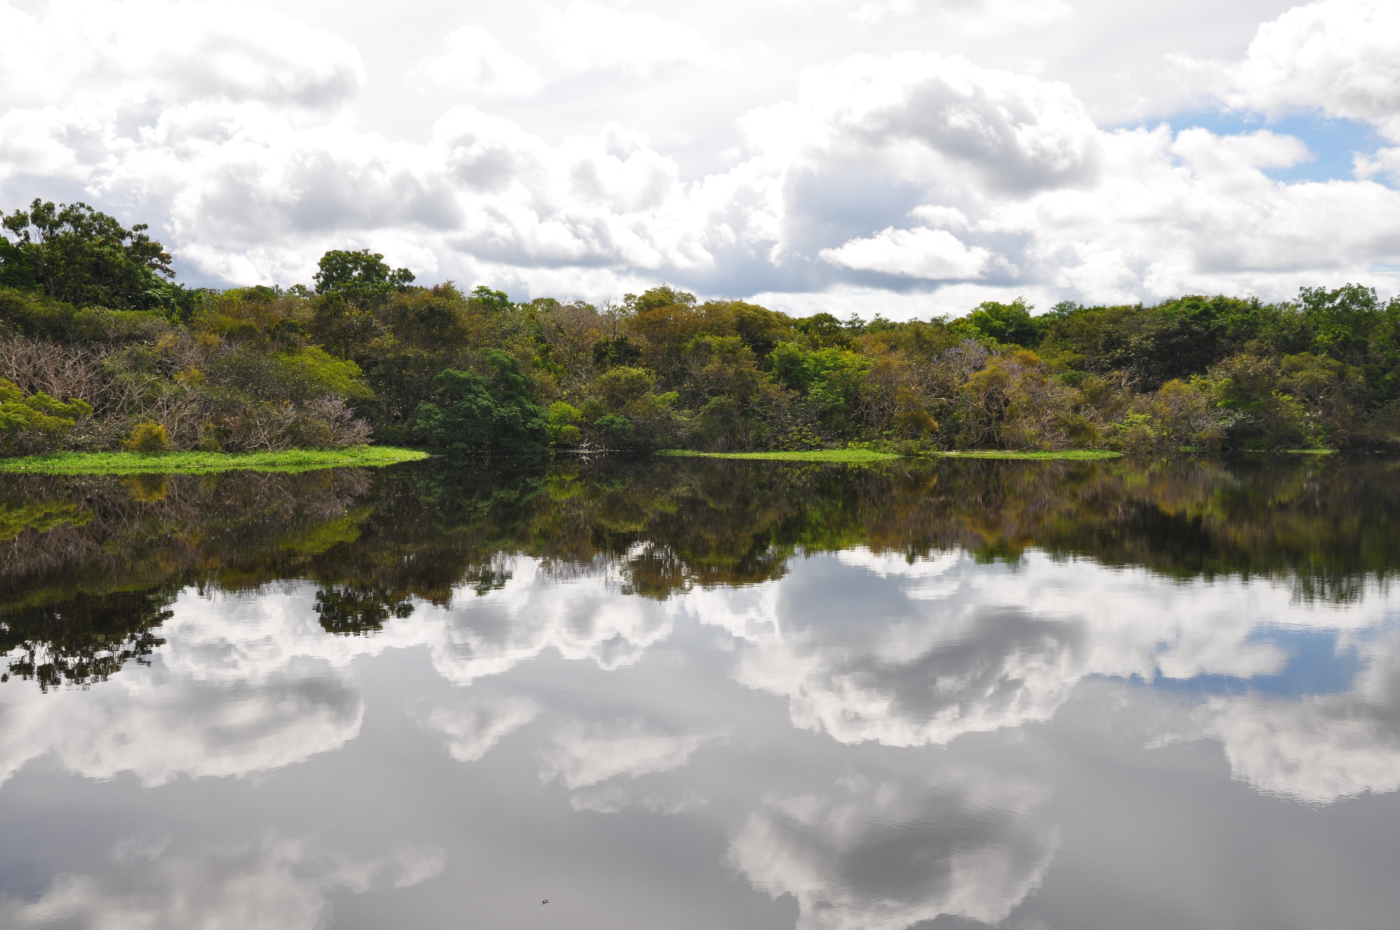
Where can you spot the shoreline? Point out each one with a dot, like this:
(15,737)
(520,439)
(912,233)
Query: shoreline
(865,456)
(176,463)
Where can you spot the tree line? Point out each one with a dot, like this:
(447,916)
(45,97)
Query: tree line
(100,347)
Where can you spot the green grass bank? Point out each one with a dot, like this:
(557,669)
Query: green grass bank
(176,463)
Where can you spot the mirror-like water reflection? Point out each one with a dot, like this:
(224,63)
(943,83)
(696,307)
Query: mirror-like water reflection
(690,693)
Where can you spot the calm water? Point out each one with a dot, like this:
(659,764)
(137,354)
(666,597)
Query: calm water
(689,694)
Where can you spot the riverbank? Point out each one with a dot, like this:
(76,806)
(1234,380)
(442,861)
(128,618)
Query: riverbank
(847,456)
(184,463)
(1064,455)
(864,456)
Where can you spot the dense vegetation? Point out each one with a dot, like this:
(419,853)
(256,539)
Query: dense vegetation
(99,350)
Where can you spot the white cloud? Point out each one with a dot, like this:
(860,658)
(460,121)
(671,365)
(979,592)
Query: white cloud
(587,754)
(241,686)
(914,116)
(239,132)
(474,728)
(931,254)
(585,36)
(476,63)
(147,53)
(1194,211)
(963,649)
(1341,57)
(1384,163)
(277,883)
(1319,747)
(885,856)
(581,619)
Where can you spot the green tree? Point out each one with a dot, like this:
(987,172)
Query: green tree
(1010,324)
(471,414)
(81,256)
(493,301)
(359,274)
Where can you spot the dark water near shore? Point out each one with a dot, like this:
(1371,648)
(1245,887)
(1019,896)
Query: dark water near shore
(702,694)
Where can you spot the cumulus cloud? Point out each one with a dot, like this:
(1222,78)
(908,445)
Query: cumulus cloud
(237,132)
(1318,748)
(933,254)
(951,648)
(917,114)
(1194,210)
(582,619)
(476,63)
(107,53)
(241,686)
(277,883)
(1340,57)
(885,856)
(586,754)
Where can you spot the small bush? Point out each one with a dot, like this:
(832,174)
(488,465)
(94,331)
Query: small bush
(148,439)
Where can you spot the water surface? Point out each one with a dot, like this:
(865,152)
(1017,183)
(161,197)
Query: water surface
(703,694)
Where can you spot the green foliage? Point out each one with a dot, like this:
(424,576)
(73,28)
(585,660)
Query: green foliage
(1010,324)
(619,387)
(38,412)
(830,380)
(359,275)
(616,429)
(325,373)
(366,353)
(492,301)
(563,423)
(78,255)
(471,414)
(289,461)
(618,350)
(148,439)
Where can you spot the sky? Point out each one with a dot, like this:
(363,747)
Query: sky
(904,157)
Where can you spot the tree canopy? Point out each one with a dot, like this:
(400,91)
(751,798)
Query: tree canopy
(81,256)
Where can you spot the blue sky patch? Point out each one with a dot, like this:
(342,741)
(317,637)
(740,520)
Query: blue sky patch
(1333,142)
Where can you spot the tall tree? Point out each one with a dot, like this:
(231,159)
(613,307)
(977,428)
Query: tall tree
(82,256)
(359,274)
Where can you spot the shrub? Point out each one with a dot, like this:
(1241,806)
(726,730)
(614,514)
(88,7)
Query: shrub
(563,424)
(38,412)
(148,439)
(615,428)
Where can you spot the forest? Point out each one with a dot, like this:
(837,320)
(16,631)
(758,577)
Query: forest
(101,349)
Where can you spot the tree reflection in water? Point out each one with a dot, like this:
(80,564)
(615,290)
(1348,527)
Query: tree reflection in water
(88,566)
